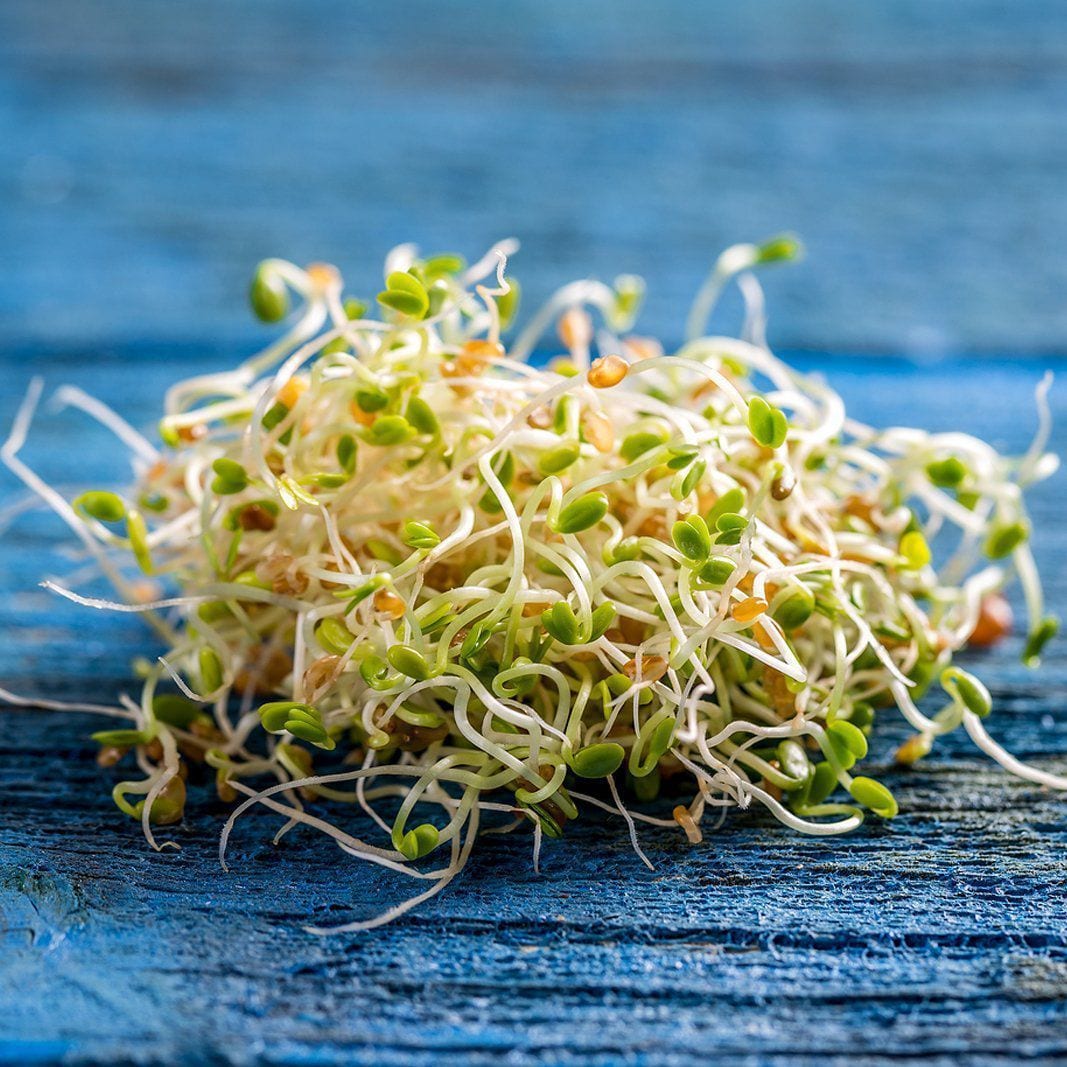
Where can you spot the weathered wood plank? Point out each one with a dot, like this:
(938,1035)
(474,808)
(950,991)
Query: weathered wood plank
(940,934)
(151,149)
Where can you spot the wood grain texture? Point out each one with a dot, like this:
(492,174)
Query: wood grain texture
(941,935)
(151,152)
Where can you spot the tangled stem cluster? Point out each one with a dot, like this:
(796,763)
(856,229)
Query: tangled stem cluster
(405,570)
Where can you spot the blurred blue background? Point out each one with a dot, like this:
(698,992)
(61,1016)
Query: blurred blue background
(152,152)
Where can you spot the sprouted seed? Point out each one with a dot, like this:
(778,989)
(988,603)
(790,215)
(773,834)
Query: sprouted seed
(405,570)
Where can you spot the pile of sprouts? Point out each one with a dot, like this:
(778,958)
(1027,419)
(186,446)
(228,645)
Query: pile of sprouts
(400,570)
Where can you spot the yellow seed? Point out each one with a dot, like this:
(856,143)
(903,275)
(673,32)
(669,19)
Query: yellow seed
(607,371)
(192,433)
(683,817)
(764,639)
(323,274)
(993,623)
(916,746)
(321,672)
(291,392)
(653,668)
(109,755)
(364,418)
(575,328)
(481,350)
(388,604)
(749,609)
(598,431)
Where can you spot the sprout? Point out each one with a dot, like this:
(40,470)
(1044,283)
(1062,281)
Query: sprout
(915,550)
(1003,540)
(767,424)
(635,445)
(420,535)
(558,459)
(598,761)
(583,513)
(1038,637)
(301,720)
(420,415)
(561,622)
(967,691)
(405,294)
(418,842)
(692,538)
(102,506)
(874,795)
(230,477)
(408,661)
(946,473)
(267,294)
(388,430)
(507,304)
(483,582)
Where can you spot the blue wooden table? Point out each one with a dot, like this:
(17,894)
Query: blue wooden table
(941,933)
(151,152)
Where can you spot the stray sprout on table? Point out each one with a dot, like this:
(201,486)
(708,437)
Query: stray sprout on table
(404,570)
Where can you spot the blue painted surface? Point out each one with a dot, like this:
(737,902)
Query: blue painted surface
(939,934)
(150,152)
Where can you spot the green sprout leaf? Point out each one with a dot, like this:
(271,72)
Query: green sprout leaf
(420,535)
(716,571)
(1036,640)
(779,249)
(946,473)
(210,670)
(766,423)
(1005,539)
(418,842)
(582,513)
(388,430)
(371,399)
(346,453)
(629,294)
(967,690)
(635,445)
(421,416)
(101,505)
(692,538)
(230,477)
(847,742)
(406,294)
(559,459)
(597,761)
(334,637)
(301,720)
(122,738)
(603,616)
(267,295)
(731,502)
(507,304)
(915,550)
(561,622)
(408,661)
(874,795)
(175,710)
(795,611)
